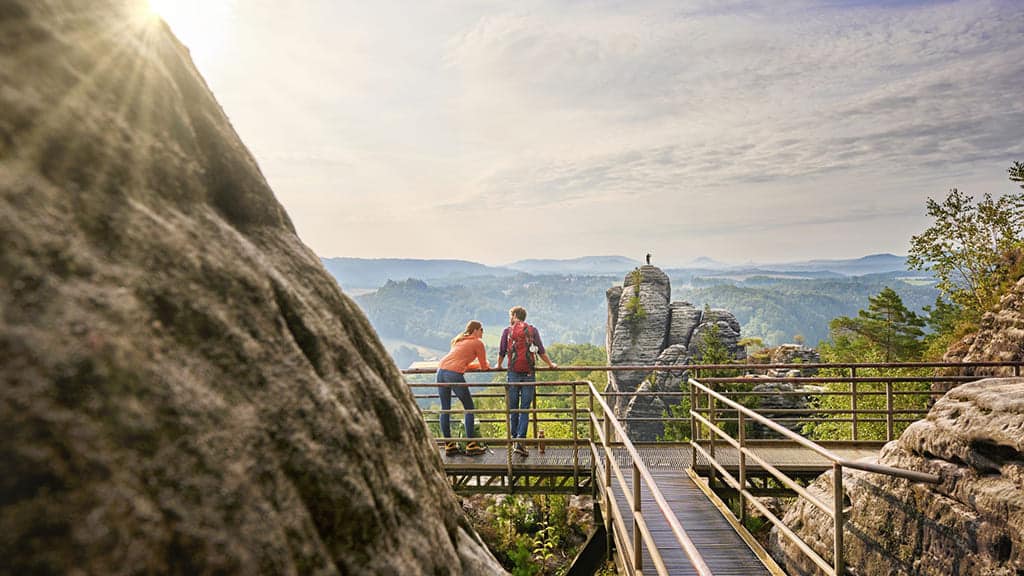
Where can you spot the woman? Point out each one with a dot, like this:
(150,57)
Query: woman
(467,353)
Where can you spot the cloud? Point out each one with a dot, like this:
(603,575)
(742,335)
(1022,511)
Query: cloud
(758,116)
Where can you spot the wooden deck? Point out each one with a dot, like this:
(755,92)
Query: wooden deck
(726,550)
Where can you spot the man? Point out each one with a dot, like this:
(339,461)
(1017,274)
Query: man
(521,343)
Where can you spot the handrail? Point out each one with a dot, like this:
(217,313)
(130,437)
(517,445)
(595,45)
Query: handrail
(836,511)
(811,445)
(749,366)
(689,548)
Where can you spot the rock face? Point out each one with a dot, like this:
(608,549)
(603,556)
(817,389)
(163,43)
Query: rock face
(1000,339)
(972,523)
(776,396)
(665,333)
(184,388)
(794,354)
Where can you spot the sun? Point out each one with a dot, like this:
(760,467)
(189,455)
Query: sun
(203,25)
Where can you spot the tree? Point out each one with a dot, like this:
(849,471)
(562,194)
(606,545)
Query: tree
(968,242)
(887,326)
(1017,173)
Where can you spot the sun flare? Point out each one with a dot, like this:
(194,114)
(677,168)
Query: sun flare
(203,25)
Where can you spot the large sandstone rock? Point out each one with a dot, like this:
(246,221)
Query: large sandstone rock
(668,334)
(638,340)
(972,523)
(184,388)
(668,385)
(1000,339)
(796,354)
(685,317)
(724,325)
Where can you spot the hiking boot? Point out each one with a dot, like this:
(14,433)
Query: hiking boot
(451,449)
(474,449)
(520,449)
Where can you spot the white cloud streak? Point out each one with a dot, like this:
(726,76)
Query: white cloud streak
(732,129)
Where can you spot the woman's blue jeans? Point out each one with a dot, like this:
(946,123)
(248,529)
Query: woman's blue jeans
(520,398)
(462,393)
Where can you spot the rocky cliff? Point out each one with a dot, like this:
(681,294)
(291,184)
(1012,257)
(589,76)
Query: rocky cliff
(184,388)
(645,327)
(972,523)
(999,339)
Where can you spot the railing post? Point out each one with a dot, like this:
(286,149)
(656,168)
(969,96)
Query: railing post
(533,412)
(743,468)
(575,441)
(694,429)
(607,483)
(853,402)
(607,450)
(1016,370)
(888,412)
(508,440)
(838,561)
(712,409)
(638,549)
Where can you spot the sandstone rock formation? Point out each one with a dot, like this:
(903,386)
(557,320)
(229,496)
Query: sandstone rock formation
(1000,339)
(796,354)
(663,333)
(972,523)
(184,388)
(776,400)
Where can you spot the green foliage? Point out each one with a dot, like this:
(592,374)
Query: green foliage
(886,326)
(966,245)
(573,309)
(885,332)
(1017,173)
(774,309)
(713,351)
(635,312)
(874,400)
(531,535)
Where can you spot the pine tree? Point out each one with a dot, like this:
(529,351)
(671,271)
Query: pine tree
(886,326)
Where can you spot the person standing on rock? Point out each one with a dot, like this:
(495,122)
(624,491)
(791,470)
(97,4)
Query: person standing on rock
(521,343)
(467,353)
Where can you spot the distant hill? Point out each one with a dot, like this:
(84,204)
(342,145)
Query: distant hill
(873,264)
(375,272)
(370,273)
(589,265)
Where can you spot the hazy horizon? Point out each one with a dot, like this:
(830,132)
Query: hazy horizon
(741,130)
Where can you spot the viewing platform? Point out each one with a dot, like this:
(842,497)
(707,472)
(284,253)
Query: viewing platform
(679,506)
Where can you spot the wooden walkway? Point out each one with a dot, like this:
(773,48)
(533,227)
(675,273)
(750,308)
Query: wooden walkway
(724,550)
(702,515)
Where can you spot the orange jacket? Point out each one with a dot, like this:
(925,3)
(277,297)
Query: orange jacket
(463,354)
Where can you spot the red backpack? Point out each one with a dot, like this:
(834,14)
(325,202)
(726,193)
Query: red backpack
(521,349)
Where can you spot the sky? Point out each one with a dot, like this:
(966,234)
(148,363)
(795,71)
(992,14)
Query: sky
(496,131)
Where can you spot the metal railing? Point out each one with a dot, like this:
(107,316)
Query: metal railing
(836,511)
(641,476)
(595,427)
(604,435)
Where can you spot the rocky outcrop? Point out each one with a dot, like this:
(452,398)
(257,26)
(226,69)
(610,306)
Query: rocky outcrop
(779,400)
(684,319)
(796,354)
(641,322)
(646,328)
(999,339)
(184,388)
(972,523)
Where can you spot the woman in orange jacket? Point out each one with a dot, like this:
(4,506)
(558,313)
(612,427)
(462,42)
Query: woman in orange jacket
(467,353)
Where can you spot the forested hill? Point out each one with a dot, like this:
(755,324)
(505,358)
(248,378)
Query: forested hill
(572,309)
